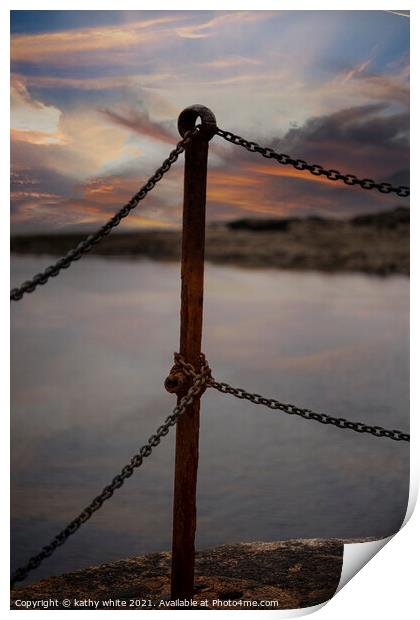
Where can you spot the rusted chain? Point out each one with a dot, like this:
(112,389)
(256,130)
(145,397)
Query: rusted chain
(199,383)
(85,246)
(315,169)
(307,414)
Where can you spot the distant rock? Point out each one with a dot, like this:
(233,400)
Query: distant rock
(377,243)
(386,219)
(261,224)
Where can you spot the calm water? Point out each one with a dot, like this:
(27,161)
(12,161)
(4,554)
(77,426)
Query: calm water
(90,352)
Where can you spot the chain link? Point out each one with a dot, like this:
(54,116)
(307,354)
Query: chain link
(308,414)
(272,403)
(85,246)
(198,386)
(315,169)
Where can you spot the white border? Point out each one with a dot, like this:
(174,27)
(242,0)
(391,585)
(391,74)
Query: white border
(387,586)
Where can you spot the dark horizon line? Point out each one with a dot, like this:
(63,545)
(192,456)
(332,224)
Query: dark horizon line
(223,223)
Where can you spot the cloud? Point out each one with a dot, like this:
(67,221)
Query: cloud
(37,137)
(367,141)
(357,70)
(43,199)
(111,82)
(231,188)
(39,179)
(273,170)
(92,107)
(390,86)
(353,125)
(140,122)
(53,46)
(83,144)
(31,119)
(227,62)
(212,26)
(382,88)
(361,139)
(85,47)
(83,83)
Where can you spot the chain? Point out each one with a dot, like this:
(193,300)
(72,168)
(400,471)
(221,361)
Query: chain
(198,384)
(200,380)
(85,246)
(308,414)
(315,169)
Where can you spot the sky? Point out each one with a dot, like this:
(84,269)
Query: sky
(95,97)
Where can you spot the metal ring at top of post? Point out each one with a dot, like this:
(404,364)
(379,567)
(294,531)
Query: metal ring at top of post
(187,121)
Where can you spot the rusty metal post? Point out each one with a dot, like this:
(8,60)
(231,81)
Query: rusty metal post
(192,274)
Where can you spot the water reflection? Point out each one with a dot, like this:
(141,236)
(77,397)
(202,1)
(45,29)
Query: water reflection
(90,352)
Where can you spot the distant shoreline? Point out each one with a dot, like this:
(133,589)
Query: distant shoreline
(376,243)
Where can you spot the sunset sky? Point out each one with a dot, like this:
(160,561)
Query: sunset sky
(95,97)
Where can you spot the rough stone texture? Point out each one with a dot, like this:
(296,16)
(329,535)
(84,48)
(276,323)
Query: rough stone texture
(295,573)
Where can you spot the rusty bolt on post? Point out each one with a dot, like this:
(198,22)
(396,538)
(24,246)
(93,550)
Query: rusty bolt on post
(176,382)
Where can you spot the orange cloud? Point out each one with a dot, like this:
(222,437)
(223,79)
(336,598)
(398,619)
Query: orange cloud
(19,195)
(97,83)
(104,196)
(391,87)
(383,88)
(357,70)
(38,137)
(230,61)
(47,46)
(212,26)
(238,189)
(276,170)
(99,187)
(268,77)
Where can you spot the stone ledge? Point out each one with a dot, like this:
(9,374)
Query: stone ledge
(296,573)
